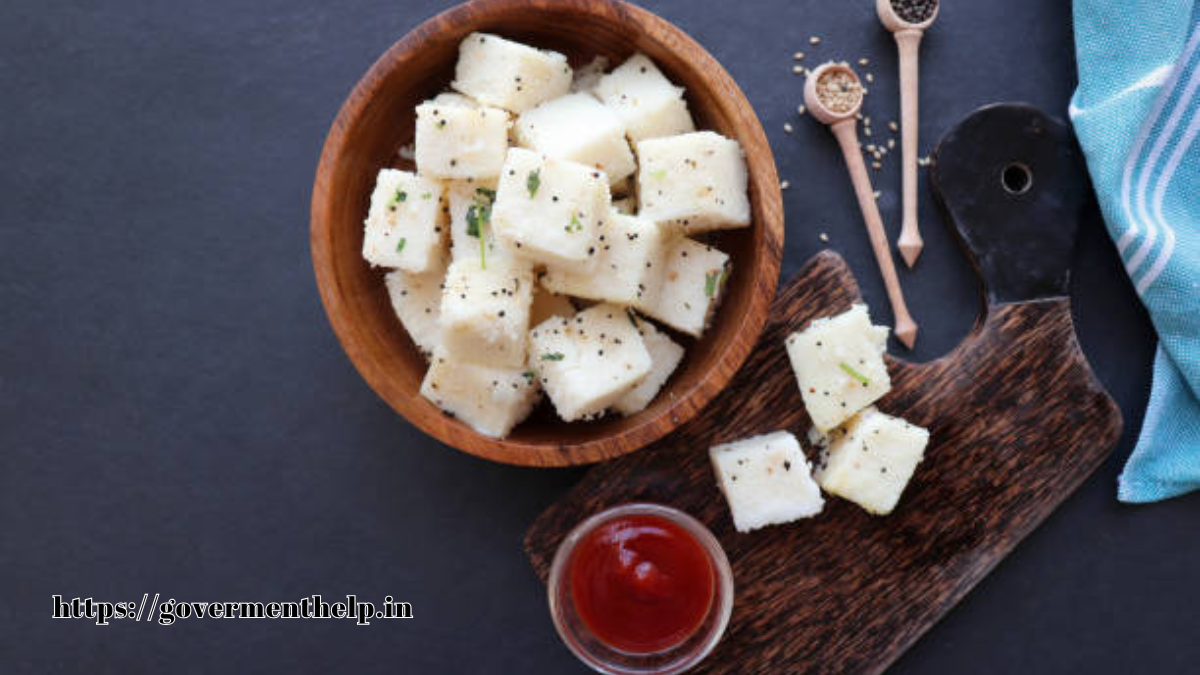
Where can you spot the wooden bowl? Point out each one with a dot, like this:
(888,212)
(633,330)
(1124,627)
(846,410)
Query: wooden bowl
(377,119)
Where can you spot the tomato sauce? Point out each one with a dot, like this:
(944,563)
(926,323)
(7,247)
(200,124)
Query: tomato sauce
(641,583)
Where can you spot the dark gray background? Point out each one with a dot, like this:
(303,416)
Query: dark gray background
(176,416)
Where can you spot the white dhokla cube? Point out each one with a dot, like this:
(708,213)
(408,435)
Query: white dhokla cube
(547,304)
(507,74)
(627,255)
(472,236)
(665,356)
(491,400)
(579,128)
(404,226)
(695,180)
(690,287)
(839,366)
(588,362)
(645,100)
(766,480)
(485,311)
(549,210)
(417,300)
(455,141)
(872,461)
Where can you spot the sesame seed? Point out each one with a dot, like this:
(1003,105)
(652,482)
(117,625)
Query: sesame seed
(783,185)
(787,128)
(823,237)
(893,126)
(863,61)
(814,40)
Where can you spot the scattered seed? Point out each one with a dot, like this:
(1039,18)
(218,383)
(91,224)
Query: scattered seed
(814,40)
(870,77)
(871,147)
(787,128)
(893,126)
(864,61)
(798,55)
(877,166)
(783,185)
(891,143)
(800,110)
(823,237)
(877,194)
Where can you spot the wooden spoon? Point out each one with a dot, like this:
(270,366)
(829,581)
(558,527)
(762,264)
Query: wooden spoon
(908,41)
(843,123)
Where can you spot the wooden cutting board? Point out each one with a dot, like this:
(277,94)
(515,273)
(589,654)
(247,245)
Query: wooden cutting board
(1017,422)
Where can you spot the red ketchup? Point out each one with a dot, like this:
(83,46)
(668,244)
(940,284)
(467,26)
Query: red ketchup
(641,583)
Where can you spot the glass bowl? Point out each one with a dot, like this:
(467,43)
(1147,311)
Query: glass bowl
(604,658)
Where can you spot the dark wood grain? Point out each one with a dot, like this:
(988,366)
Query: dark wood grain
(377,119)
(1017,421)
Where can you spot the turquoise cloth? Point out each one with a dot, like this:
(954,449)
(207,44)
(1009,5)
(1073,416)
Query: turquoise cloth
(1137,115)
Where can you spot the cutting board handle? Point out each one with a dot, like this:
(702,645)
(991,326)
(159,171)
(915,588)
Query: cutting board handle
(1011,181)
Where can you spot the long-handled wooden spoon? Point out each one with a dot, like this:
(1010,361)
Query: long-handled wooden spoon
(834,96)
(908,41)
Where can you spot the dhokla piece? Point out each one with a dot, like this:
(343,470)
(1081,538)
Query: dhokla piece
(872,461)
(645,100)
(491,400)
(579,128)
(588,362)
(507,74)
(665,356)
(549,210)
(628,255)
(690,287)
(472,236)
(839,366)
(456,141)
(404,225)
(417,299)
(766,480)
(547,304)
(485,311)
(697,181)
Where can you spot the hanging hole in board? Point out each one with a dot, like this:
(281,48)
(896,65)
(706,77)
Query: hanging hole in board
(1016,178)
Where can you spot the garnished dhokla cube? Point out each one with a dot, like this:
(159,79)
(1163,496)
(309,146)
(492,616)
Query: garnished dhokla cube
(588,362)
(472,236)
(456,141)
(645,100)
(766,480)
(549,210)
(579,128)
(690,287)
(665,356)
(491,400)
(695,180)
(485,311)
(417,299)
(547,304)
(871,462)
(839,366)
(509,75)
(625,263)
(404,227)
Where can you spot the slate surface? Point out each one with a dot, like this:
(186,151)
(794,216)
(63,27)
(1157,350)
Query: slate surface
(176,416)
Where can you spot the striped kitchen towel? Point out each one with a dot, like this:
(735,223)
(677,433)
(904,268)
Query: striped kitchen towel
(1136,112)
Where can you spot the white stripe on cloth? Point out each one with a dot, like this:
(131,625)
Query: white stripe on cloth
(1135,153)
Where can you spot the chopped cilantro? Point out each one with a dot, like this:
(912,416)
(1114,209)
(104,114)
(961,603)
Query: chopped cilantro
(854,373)
(478,215)
(632,317)
(710,283)
(426,195)
(556,356)
(574,225)
(659,175)
(400,246)
(533,182)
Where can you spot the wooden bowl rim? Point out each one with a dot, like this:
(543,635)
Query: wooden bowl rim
(766,200)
